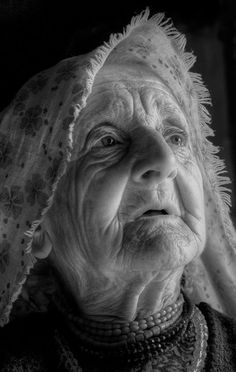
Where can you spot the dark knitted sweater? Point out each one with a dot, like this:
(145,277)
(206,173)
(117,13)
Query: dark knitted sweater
(28,345)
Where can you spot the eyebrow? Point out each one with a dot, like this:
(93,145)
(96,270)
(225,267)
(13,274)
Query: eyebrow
(173,116)
(175,122)
(169,112)
(102,116)
(106,124)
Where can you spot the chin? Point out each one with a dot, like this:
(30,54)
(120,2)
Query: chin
(162,245)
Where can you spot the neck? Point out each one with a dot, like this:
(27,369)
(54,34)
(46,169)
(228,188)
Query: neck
(126,298)
(118,332)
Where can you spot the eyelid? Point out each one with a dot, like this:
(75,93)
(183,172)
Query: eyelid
(175,130)
(172,122)
(102,130)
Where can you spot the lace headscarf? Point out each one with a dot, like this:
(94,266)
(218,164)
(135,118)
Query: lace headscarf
(40,128)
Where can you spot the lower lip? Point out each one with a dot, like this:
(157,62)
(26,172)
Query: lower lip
(153,220)
(154,216)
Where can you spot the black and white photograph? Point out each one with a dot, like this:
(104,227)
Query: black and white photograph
(117,186)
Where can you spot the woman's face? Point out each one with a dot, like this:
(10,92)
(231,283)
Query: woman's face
(140,203)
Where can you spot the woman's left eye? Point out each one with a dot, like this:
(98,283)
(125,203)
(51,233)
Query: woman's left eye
(177,140)
(109,141)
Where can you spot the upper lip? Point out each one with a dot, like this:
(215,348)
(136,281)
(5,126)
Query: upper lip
(168,207)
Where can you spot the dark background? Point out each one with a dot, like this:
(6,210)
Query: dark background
(36,34)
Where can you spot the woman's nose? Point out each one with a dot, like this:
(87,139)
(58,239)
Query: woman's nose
(155,161)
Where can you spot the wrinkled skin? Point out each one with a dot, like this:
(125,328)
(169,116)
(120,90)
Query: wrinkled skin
(134,155)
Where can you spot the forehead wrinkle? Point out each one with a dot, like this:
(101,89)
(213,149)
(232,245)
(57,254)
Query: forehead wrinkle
(107,105)
(140,107)
(121,106)
(118,104)
(164,107)
(174,115)
(150,107)
(170,109)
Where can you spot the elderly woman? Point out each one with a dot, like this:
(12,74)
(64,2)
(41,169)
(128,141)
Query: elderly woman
(107,173)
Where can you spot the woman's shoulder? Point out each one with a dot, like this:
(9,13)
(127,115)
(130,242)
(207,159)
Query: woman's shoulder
(25,344)
(221,352)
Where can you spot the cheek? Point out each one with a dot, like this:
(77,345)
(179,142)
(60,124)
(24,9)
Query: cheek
(190,176)
(195,185)
(190,189)
(105,191)
(188,164)
(102,195)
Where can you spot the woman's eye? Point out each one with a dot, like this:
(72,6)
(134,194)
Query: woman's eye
(109,141)
(177,140)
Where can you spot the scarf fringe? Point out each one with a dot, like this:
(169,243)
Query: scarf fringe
(166,26)
(201,90)
(189,59)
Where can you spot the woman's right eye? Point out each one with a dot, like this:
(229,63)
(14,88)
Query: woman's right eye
(109,141)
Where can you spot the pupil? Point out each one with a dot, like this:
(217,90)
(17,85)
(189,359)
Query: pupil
(177,140)
(108,141)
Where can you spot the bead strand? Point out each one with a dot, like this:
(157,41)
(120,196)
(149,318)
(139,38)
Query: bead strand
(132,335)
(157,321)
(189,331)
(155,345)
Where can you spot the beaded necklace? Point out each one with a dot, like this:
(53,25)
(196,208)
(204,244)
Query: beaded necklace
(186,335)
(120,332)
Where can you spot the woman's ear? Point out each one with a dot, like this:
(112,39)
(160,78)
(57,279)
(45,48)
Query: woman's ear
(41,245)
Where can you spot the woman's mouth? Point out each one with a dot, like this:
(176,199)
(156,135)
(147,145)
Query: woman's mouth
(154,212)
